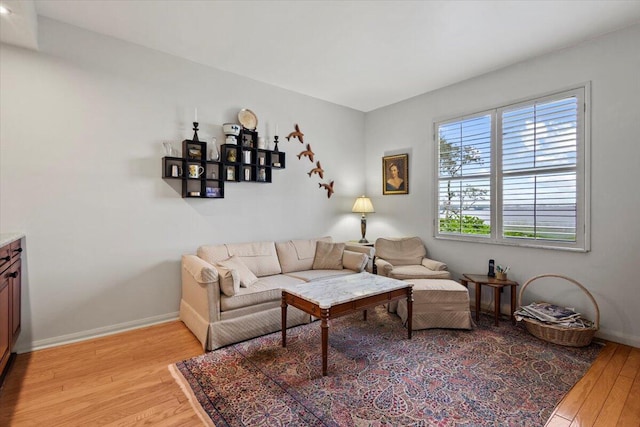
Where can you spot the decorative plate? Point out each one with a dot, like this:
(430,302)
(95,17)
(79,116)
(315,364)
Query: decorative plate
(248,119)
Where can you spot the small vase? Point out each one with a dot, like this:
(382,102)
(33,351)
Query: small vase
(169,150)
(214,154)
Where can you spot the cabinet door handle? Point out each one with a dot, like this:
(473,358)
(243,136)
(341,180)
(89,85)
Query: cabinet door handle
(7,258)
(18,250)
(13,275)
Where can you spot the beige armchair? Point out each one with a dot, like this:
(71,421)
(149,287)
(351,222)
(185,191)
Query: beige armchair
(405,258)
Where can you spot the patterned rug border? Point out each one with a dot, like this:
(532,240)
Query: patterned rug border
(218,411)
(190,394)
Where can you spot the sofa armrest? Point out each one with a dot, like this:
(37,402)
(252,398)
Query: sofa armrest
(434,265)
(367,250)
(355,261)
(200,287)
(384,267)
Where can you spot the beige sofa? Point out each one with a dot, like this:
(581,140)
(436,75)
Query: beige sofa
(232,292)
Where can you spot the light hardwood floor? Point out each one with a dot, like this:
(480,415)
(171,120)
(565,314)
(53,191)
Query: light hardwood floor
(123,380)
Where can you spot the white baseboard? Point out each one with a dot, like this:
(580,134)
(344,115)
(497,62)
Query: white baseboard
(618,337)
(96,333)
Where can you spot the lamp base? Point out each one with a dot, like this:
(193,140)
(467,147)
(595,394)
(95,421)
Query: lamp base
(363,229)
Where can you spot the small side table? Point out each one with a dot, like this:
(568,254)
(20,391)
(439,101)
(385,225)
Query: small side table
(481,279)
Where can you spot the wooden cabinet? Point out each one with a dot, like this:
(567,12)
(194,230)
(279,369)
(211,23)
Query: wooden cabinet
(10,301)
(5,340)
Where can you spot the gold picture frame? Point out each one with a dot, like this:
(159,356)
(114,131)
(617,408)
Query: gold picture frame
(395,174)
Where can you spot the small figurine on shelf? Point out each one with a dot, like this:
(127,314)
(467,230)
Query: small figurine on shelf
(195,131)
(275,141)
(231,175)
(231,156)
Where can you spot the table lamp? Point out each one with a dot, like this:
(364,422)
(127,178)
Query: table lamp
(364,206)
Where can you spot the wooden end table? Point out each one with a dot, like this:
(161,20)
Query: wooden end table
(483,280)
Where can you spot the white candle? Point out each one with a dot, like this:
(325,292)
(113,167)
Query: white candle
(276,129)
(196,119)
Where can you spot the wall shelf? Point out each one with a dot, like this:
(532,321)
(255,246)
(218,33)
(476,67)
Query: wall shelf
(238,163)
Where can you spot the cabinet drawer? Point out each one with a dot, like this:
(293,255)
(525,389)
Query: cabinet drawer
(5,257)
(15,248)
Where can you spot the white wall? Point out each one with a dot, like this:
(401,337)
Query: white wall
(610,270)
(83,121)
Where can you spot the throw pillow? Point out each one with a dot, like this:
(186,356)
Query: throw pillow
(355,261)
(229,281)
(246,276)
(328,256)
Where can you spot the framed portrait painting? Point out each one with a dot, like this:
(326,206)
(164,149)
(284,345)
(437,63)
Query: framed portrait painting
(395,174)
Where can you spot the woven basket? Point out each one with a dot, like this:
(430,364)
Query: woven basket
(571,337)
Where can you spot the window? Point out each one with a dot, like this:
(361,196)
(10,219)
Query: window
(516,174)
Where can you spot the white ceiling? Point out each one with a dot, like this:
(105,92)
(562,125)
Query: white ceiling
(360,54)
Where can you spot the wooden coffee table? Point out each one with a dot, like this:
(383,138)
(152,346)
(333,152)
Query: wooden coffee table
(497,285)
(334,297)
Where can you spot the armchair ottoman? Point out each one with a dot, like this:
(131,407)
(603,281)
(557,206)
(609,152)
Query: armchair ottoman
(438,303)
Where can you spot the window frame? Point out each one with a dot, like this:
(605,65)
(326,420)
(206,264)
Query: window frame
(583,173)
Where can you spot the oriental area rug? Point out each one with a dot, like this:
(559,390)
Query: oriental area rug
(490,376)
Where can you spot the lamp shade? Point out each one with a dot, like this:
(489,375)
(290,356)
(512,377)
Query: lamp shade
(363,205)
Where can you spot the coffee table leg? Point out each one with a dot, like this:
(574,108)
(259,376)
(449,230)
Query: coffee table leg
(478,297)
(324,316)
(496,311)
(284,320)
(409,312)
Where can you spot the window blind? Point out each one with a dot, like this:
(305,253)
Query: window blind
(539,170)
(464,186)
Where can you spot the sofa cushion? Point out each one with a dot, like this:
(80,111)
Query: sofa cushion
(213,253)
(297,255)
(266,289)
(260,257)
(328,256)
(355,261)
(405,251)
(404,272)
(246,276)
(229,280)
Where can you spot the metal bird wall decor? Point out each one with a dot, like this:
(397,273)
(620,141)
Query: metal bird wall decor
(308,153)
(296,134)
(328,187)
(318,169)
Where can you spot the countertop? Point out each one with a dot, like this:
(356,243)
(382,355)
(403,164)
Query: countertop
(6,238)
